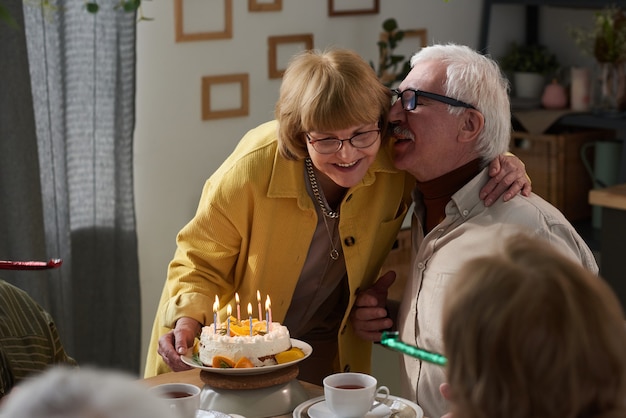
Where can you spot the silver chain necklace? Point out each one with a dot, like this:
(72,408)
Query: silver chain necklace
(334,253)
(326,210)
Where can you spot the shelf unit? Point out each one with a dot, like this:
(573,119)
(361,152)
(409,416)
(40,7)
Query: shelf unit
(532,14)
(533,7)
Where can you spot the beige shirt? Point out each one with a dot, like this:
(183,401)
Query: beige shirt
(469,230)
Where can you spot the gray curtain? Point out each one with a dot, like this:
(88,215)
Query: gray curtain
(66,184)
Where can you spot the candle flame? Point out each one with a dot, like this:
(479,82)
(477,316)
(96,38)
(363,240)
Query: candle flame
(258,296)
(215,306)
(249,309)
(237,298)
(268,304)
(229,310)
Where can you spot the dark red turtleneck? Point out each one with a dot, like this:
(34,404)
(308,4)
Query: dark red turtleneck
(438,192)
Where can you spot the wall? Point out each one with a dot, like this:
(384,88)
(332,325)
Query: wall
(175,151)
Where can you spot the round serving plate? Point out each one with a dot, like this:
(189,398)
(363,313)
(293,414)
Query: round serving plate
(397,407)
(306,348)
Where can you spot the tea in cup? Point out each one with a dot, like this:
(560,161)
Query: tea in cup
(183,399)
(352,395)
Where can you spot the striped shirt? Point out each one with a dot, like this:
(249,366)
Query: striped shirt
(29,340)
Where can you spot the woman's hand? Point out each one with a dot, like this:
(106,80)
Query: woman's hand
(177,342)
(508,178)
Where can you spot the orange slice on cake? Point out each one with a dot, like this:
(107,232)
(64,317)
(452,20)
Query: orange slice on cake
(244,363)
(294,353)
(221,362)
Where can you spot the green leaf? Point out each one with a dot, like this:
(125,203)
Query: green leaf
(6,17)
(131,5)
(396,59)
(224,365)
(92,7)
(398,35)
(390,25)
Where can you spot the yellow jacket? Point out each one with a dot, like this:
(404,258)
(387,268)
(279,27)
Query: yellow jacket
(252,231)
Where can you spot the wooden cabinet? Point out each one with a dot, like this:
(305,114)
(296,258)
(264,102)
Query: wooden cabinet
(554,164)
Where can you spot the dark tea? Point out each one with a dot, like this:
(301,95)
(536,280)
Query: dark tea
(349,387)
(176,394)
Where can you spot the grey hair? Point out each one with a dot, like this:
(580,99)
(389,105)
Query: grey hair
(63,392)
(476,79)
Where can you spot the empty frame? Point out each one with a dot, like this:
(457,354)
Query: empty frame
(295,43)
(353,7)
(220,91)
(201,13)
(265,5)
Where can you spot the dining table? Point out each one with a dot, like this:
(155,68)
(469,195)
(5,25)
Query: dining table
(193,377)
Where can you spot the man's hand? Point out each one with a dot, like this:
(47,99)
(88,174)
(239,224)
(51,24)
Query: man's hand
(177,342)
(369,316)
(508,178)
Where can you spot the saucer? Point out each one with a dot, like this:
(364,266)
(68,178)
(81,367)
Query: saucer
(321,410)
(203,413)
(399,407)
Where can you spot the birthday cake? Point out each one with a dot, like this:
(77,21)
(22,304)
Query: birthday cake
(239,345)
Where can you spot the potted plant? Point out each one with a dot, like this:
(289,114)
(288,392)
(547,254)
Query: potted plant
(606,42)
(530,65)
(391,67)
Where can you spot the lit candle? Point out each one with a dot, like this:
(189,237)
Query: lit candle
(250,317)
(268,320)
(214,317)
(229,311)
(268,312)
(258,298)
(238,307)
(217,311)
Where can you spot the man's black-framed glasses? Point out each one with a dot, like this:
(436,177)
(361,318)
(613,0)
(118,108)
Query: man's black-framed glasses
(331,145)
(410,99)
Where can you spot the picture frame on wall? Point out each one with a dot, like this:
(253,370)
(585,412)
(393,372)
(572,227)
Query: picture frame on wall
(282,48)
(265,5)
(220,94)
(353,7)
(199,12)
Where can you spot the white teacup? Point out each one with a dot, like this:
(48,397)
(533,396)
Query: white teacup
(352,395)
(183,399)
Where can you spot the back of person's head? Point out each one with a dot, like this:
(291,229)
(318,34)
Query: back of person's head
(327,91)
(476,79)
(530,333)
(62,392)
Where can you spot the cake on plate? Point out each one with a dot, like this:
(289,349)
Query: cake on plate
(237,343)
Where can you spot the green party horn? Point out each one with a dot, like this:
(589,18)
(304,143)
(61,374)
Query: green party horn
(392,340)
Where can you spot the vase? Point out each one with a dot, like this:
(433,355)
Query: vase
(580,90)
(610,96)
(554,96)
